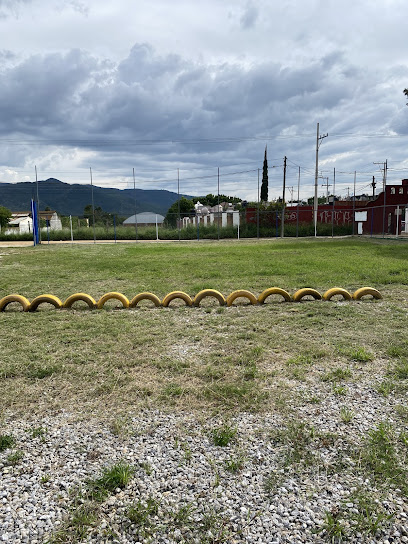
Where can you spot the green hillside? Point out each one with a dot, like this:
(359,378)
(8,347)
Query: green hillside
(69,199)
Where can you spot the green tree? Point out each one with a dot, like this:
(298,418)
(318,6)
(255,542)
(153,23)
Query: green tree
(186,208)
(5,215)
(264,186)
(101,217)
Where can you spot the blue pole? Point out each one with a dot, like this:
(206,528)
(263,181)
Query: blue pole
(114,226)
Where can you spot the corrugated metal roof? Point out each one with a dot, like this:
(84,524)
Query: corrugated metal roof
(144,218)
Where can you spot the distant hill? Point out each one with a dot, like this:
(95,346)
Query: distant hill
(69,199)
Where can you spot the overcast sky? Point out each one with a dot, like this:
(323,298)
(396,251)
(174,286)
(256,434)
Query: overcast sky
(162,85)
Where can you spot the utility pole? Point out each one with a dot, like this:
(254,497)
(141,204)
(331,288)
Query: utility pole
(354,200)
(297,209)
(373,185)
(291,194)
(178,203)
(384,171)
(283,199)
(327,185)
(318,143)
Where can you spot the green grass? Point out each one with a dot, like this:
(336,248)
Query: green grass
(216,358)
(6,441)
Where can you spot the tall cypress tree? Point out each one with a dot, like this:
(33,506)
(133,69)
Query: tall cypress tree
(264,186)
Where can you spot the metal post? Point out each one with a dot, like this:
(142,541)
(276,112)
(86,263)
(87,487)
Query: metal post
(38,206)
(283,199)
(297,211)
(257,213)
(354,200)
(218,189)
(70,226)
(114,227)
(93,206)
(178,201)
(334,199)
(134,195)
(157,229)
(396,234)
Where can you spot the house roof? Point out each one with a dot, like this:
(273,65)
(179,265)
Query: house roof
(19,220)
(144,218)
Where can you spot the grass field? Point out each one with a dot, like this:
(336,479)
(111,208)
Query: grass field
(325,381)
(240,358)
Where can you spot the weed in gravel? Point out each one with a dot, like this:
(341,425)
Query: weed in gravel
(121,426)
(235,463)
(223,435)
(182,517)
(6,441)
(370,515)
(117,476)
(385,387)
(296,437)
(401,370)
(14,458)
(37,432)
(273,481)
(332,528)
(141,511)
(147,467)
(213,528)
(336,375)
(339,390)
(385,457)
(402,412)
(346,414)
(83,516)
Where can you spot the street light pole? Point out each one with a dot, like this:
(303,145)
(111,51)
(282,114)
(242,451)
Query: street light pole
(318,142)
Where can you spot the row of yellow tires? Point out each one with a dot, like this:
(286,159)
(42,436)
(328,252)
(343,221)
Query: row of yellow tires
(195,301)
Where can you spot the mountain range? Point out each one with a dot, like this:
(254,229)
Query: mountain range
(71,199)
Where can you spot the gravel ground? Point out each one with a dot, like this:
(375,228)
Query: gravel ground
(242,492)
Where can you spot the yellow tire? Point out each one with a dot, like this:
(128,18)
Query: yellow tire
(80,296)
(337,291)
(366,291)
(209,293)
(50,299)
(144,296)
(297,297)
(5,301)
(274,291)
(112,295)
(177,294)
(241,293)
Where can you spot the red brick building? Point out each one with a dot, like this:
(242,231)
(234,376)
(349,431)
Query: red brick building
(381,215)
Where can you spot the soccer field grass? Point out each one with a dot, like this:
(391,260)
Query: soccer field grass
(239,358)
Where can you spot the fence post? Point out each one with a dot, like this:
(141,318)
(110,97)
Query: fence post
(70,226)
(114,226)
